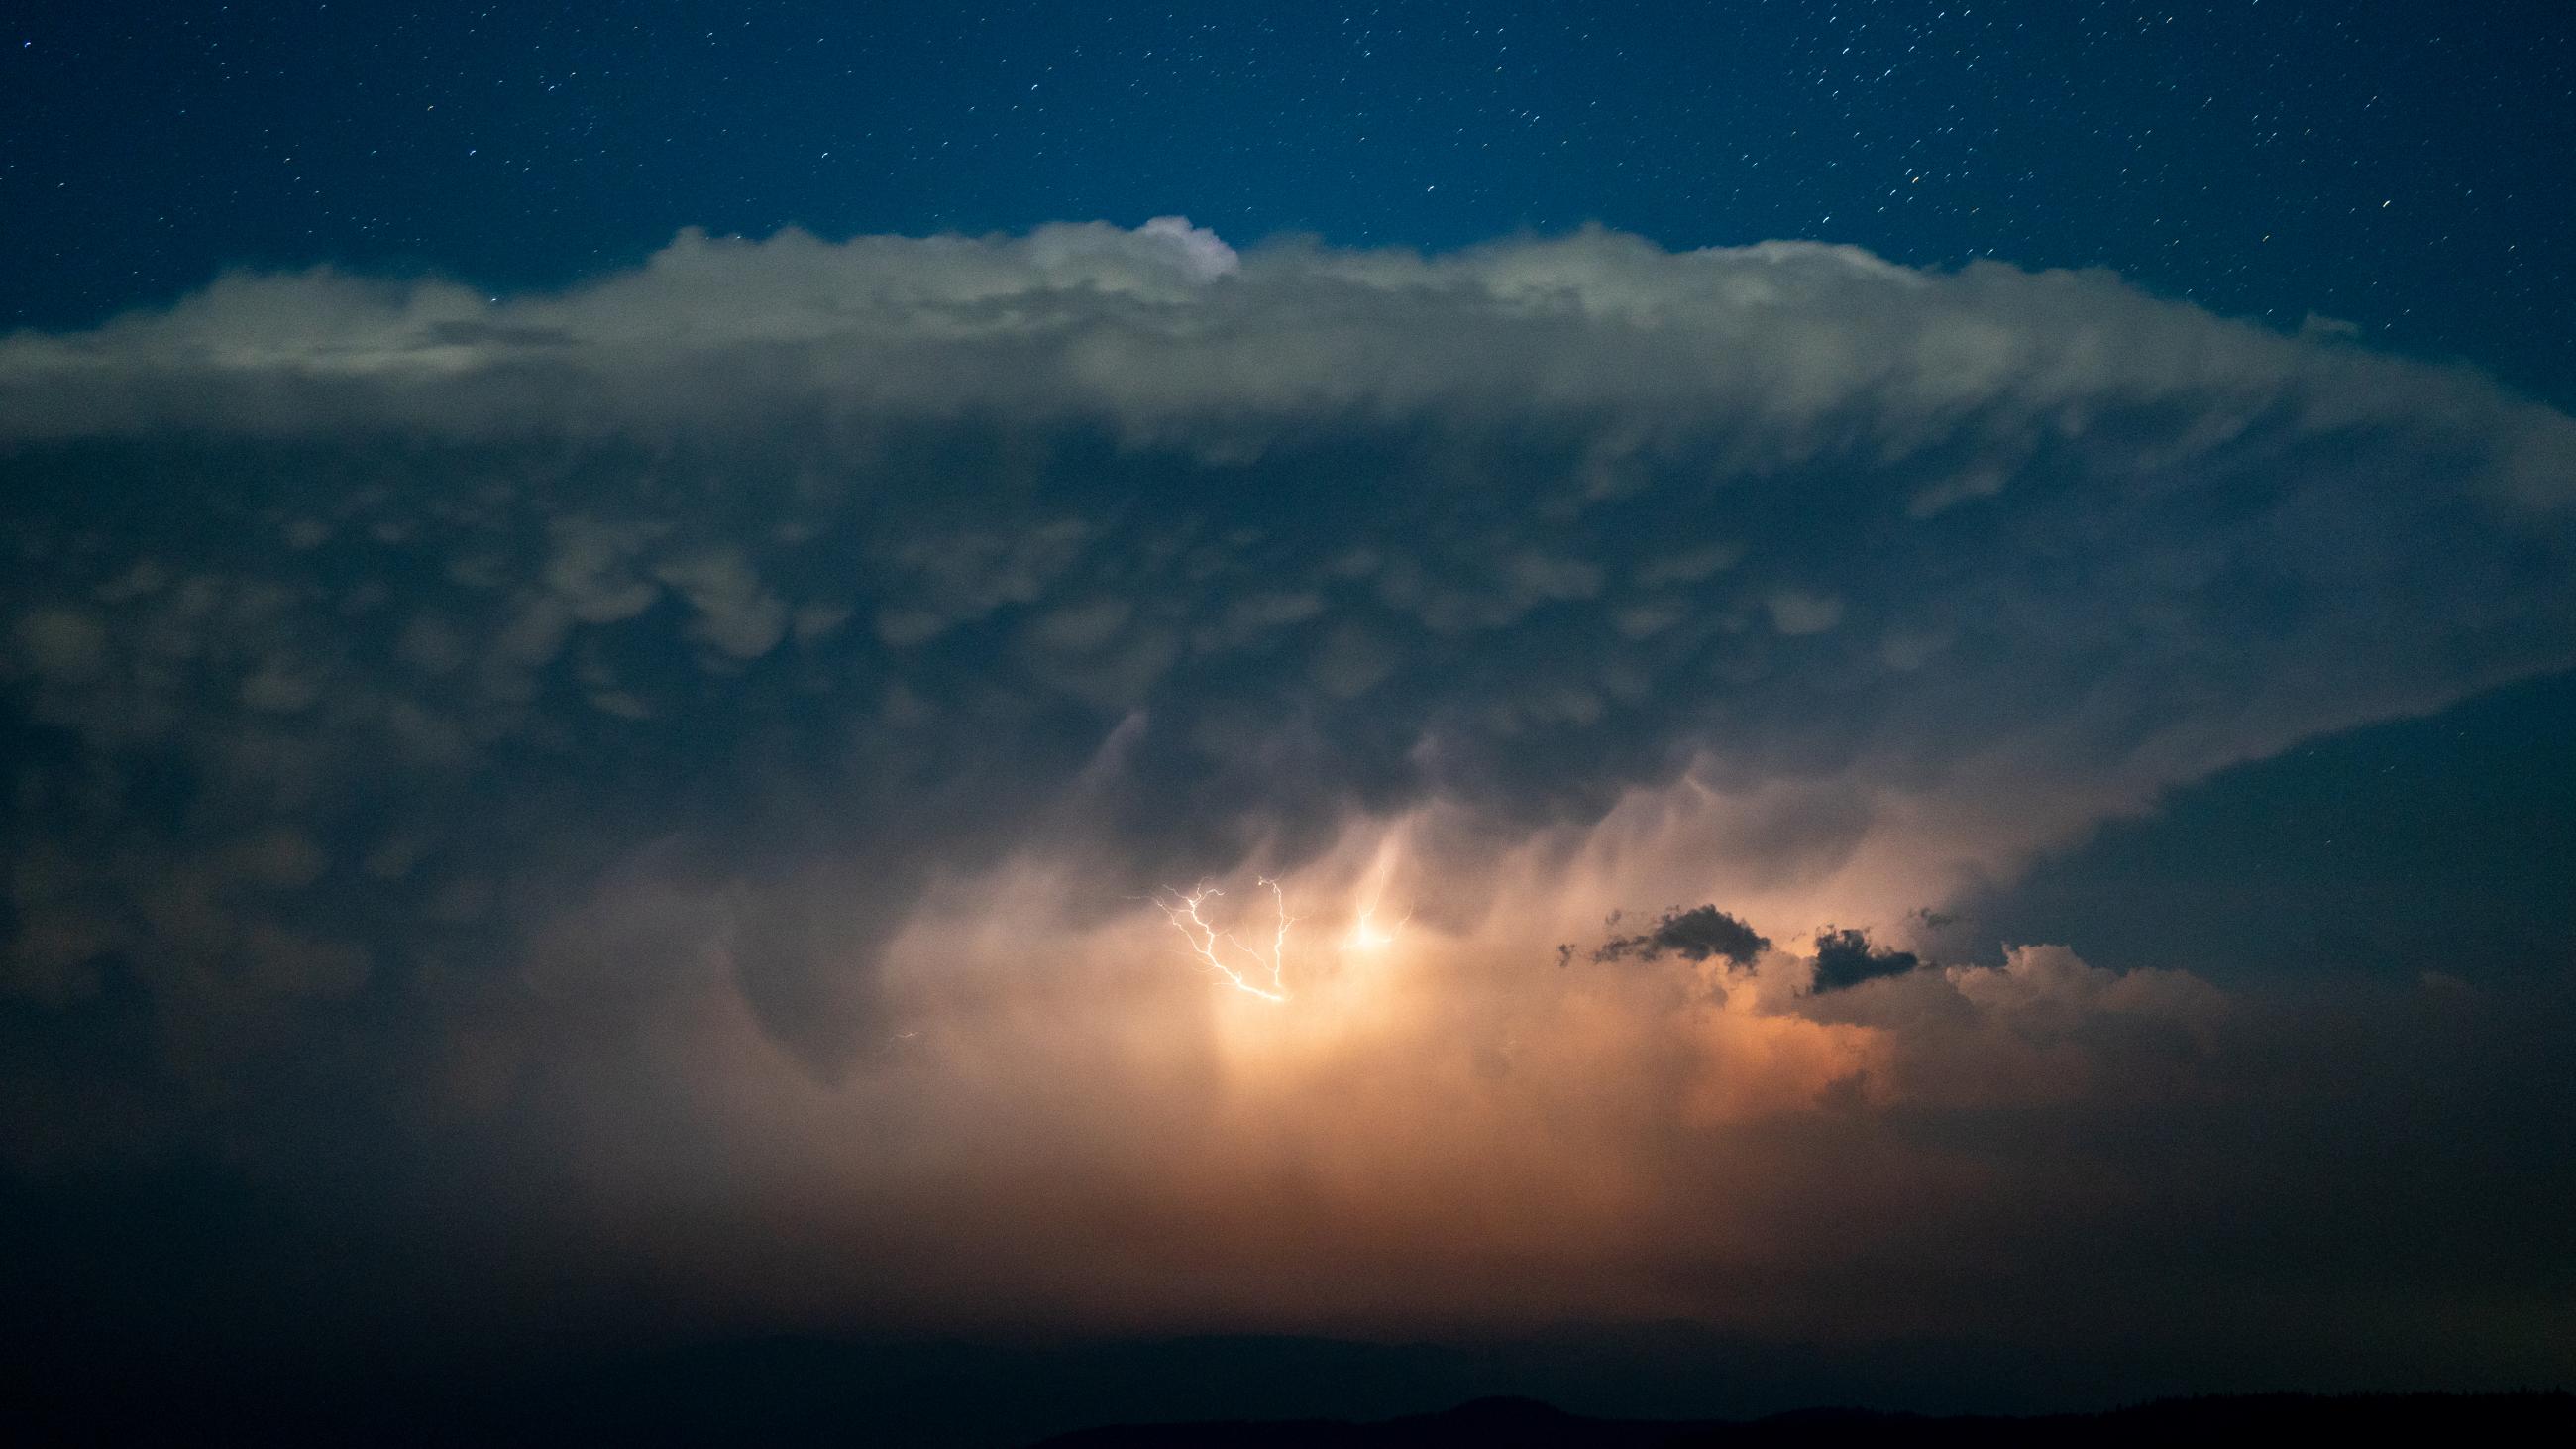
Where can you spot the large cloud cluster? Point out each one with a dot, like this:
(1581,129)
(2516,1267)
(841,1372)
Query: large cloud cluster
(763,687)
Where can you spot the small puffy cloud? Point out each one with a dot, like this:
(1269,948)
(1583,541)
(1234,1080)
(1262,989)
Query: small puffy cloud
(1699,934)
(1845,959)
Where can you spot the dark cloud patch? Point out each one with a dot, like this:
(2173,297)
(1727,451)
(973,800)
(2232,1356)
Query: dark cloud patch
(1697,934)
(1845,959)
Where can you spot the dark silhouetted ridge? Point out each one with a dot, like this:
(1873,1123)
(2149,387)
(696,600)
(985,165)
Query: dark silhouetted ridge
(2540,1418)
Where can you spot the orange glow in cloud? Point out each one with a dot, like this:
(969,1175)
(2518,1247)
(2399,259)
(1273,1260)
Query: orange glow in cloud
(1382,1103)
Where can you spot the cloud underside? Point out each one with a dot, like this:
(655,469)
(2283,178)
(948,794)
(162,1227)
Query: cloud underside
(751,698)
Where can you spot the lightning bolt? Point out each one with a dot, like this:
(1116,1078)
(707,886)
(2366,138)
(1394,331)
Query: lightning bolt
(1181,908)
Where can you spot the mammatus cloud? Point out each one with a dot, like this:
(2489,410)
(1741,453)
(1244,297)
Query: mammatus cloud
(719,731)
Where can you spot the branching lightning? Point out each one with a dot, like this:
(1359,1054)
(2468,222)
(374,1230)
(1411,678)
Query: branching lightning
(1182,909)
(1251,969)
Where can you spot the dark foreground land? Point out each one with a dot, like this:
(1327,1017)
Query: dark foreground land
(2489,1419)
(1256,1393)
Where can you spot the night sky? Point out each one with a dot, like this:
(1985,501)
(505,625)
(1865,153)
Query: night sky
(2393,165)
(1120,713)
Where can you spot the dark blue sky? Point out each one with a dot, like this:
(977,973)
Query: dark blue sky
(2397,165)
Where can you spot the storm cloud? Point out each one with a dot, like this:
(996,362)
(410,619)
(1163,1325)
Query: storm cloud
(725,722)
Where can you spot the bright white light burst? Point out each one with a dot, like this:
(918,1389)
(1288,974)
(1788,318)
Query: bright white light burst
(1365,935)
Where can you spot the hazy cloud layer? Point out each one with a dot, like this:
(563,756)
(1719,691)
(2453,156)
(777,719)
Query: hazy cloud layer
(714,730)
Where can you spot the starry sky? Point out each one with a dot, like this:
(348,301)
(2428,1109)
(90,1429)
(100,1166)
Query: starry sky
(1023,715)
(2382,163)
